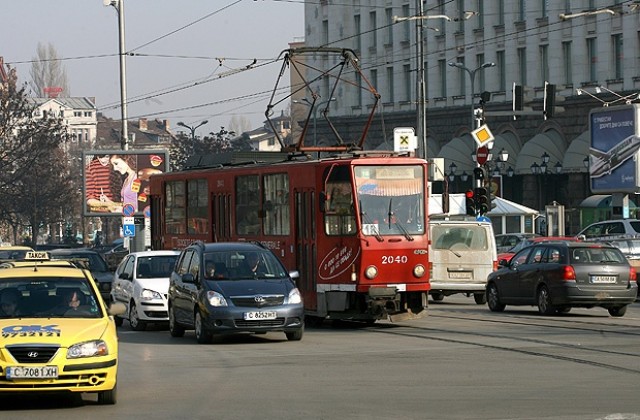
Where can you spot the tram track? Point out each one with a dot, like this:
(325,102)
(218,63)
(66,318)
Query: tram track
(627,362)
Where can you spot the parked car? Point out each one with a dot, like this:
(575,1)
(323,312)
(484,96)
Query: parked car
(13,252)
(141,283)
(114,255)
(530,241)
(462,254)
(506,241)
(557,276)
(621,233)
(216,289)
(94,262)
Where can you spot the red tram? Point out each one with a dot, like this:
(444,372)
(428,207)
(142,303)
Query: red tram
(354,226)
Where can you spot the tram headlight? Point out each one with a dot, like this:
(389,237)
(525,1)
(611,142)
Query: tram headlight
(371,272)
(418,270)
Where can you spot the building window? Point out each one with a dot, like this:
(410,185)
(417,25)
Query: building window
(500,12)
(462,80)
(390,93)
(374,30)
(566,62)
(77,113)
(616,49)
(522,65)
(406,74)
(374,77)
(480,17)
(88,114)
(441,11)
(358,32)
(544,63)
(406,35)
(325,32)
(461,9)
(481,76)
(592,59)
(544,8)
(502,71)
(567,6)
(358,89)
(389,14)
(522,11)
(442,70)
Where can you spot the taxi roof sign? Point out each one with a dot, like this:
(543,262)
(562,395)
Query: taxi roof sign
(37,256)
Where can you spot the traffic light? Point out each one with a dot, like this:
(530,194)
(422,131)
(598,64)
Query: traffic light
(549,100)
(470,203)
(483,204)
(518,97)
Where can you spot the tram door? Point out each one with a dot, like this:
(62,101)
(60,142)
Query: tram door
(305,242)
(220,217)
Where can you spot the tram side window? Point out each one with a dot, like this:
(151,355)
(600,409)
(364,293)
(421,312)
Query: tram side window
(175,207)
(276,204)
(339,215)
(247,205)
(197,210)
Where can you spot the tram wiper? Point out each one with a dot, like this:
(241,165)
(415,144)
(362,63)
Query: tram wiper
(364,216)
(396,222)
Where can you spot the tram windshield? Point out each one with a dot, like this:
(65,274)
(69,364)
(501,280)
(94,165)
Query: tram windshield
(391,199)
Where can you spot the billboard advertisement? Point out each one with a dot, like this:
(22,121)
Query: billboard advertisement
(613,152)
(116,182)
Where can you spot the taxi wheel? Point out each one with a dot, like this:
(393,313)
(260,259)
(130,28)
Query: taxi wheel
(134,320)
(108,397)
(174,329)
(202,335)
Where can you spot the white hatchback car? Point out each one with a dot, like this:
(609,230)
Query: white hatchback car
(141,282)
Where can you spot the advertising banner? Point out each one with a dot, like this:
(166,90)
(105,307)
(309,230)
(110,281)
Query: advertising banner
(613,152)
(116,182)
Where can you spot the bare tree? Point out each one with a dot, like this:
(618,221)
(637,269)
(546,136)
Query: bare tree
(239,124)
(47,71)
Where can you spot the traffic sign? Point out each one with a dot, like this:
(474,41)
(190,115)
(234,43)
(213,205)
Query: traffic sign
(482,135)
(129,231)
(128,210)
(482,154)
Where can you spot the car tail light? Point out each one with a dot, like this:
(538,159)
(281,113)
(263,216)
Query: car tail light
(495,265)
(569,274)
(633,275)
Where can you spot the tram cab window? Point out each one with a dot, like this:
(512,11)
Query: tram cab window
(339,212)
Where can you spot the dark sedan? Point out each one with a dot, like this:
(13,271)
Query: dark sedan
(557,276)
(91,260)
(225,288)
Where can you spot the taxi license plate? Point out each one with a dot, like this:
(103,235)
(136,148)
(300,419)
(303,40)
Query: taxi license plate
(250,316)
(603,279)
(459,274)
(26,372)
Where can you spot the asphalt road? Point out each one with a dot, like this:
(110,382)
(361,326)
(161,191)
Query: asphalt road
(460,362)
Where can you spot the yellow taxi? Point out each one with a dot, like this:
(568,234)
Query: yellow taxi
(57,333)
(13,252)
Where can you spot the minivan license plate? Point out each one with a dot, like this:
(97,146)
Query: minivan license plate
(25,372)
(250,316)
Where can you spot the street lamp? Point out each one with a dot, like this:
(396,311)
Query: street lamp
(472,76)
(543,169)
(119,6)
(192,128)
(422,92)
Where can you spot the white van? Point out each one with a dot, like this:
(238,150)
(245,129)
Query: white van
(462,254)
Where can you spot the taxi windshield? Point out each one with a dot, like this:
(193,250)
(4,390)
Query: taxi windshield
(48,297)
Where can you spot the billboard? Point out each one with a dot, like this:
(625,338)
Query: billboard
(116,182)
(613,151)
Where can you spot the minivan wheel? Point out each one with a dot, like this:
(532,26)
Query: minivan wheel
(544,302)
(618,310)
(134,321)
(295,335)
(493,300)
(480,298)
(202,335)
(174,329)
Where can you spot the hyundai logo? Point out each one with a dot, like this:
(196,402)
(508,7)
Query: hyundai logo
(259,299)
(32,354)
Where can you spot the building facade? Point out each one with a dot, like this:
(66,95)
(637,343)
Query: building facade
(588,49)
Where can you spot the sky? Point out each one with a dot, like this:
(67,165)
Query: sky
(186,54)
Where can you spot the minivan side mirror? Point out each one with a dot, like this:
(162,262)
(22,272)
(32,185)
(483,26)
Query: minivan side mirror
(294,274)
(124,276)
(188,278)
(581,237)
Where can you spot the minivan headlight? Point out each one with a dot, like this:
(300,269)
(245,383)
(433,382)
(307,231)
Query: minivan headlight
(216,299)
(294,297)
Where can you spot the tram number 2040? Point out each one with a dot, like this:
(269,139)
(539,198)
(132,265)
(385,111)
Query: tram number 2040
(394,259)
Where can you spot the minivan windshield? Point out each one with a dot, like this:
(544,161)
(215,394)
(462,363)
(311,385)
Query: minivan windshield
(237,265)
(471,237)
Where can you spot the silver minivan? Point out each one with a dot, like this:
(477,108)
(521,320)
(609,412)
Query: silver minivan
(462,254)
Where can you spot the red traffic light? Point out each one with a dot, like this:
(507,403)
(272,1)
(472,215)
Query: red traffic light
(469,194)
